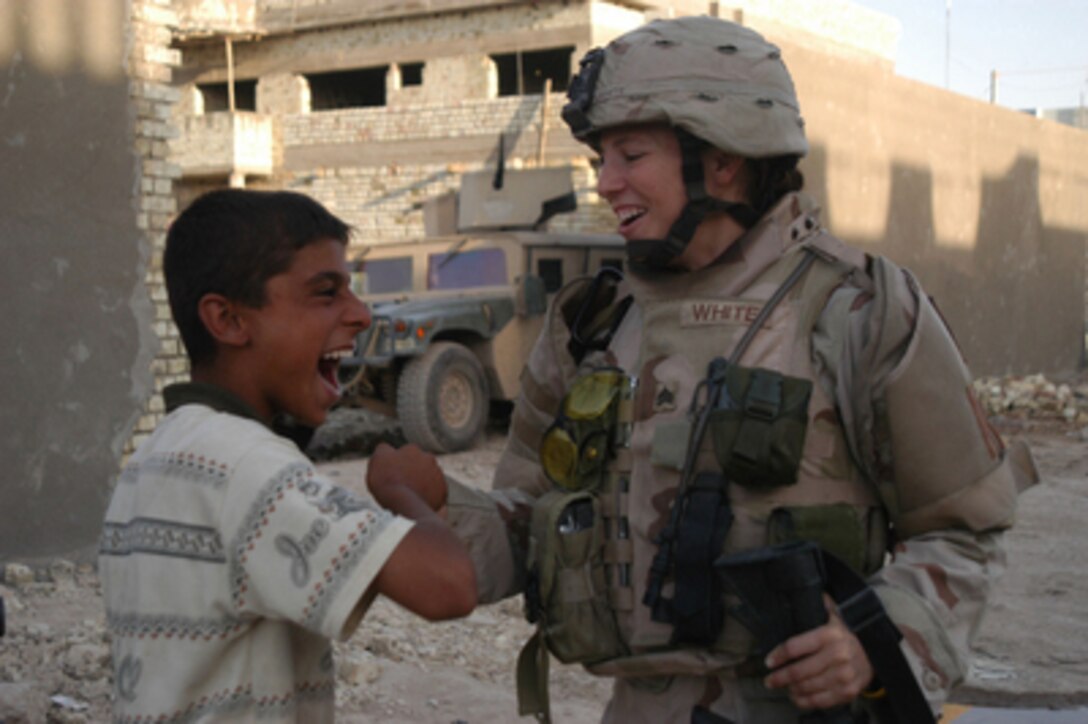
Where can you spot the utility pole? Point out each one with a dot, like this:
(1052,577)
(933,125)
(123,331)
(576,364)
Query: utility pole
(230,72)
(993,86)
(543,122)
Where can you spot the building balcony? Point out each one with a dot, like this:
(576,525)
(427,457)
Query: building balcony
(224,144)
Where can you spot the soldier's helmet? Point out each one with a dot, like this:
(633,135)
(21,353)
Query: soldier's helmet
(719,81)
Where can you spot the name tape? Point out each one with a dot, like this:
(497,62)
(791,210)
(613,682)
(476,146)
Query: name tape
(697,313)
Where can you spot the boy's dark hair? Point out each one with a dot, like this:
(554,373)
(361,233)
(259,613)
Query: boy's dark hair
(769,179)
(231,242)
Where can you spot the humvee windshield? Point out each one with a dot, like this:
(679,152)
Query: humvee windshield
(467,269)
(383,276)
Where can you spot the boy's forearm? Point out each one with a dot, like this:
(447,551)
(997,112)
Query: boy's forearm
(430,572)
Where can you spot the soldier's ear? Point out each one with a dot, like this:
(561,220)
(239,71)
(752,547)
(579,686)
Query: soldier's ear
(724,174)
(222,319)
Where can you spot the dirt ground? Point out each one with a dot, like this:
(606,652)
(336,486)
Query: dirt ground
(1032,647)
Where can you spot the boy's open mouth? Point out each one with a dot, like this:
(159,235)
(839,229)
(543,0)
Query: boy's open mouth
(328,365)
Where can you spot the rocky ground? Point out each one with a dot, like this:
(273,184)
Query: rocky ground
(1032,646)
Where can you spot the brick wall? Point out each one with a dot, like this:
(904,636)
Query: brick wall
(150,63)
(375,166)
(423,38)
(382,200)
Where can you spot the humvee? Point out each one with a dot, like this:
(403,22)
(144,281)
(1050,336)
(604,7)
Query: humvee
(456,313)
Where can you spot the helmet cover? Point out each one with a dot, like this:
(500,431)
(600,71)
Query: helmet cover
(721,82)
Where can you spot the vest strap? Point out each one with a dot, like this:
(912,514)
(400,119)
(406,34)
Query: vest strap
(532,679)
(864,615)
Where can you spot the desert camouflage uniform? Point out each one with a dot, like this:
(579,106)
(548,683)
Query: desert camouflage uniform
(894,431)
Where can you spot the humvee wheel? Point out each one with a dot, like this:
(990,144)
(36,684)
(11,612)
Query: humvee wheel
(442,398)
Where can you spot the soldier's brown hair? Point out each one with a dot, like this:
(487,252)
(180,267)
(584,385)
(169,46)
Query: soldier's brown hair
(769,179)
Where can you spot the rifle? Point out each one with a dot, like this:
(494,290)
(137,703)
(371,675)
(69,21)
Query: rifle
(780,590)
(781,595)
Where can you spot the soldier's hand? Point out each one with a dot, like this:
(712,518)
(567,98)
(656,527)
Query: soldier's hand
(822,668)
(407,466)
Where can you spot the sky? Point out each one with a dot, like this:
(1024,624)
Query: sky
(1039,48)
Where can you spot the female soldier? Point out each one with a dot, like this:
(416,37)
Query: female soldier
(751,382)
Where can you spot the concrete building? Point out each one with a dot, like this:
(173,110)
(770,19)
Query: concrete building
(86,194)
(1076,116)
(118,112)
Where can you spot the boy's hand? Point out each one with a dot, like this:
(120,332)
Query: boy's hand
(409,467)
(822,668)
(429,572)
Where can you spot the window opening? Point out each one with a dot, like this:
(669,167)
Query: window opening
(551,271)
(411,74)
(216,97)
(526,72)
(359,88)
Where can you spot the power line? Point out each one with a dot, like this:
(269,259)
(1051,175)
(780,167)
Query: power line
(1044,88)
(1042,71)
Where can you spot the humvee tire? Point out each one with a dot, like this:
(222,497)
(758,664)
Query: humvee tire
(442,398)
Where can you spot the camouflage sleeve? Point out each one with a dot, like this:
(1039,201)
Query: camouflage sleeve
(918,433)
(495,524)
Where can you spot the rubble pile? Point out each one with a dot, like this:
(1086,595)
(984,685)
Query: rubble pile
(55,654)
(1034,399)
(54,657)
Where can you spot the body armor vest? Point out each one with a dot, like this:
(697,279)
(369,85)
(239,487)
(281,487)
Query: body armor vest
(678,324)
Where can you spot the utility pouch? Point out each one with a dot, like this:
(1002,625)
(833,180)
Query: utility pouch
(577,446)
(567,594)
(758,428)
(838,528)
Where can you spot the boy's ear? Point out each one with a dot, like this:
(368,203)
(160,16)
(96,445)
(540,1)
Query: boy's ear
(222,320)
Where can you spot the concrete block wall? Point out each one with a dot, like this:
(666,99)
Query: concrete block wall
(332,151)
(282,93)
(423,38)
(511,114)
(86,194)
(449,78)
(374,166)
(381,203)
(150,71)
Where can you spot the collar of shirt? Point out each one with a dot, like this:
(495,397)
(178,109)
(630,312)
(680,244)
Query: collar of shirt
(201,393)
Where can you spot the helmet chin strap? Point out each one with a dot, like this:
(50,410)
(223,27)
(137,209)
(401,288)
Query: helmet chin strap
(658,253)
